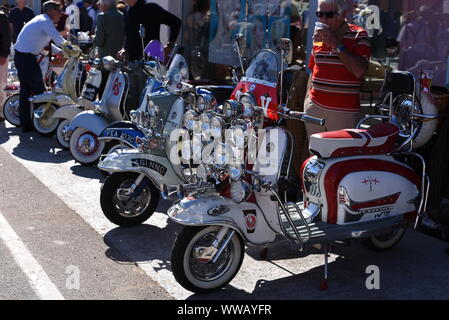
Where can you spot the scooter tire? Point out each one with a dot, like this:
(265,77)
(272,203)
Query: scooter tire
(52,129)
(110,209)
(181,254)
(10,116)
(374,243)
(59,136)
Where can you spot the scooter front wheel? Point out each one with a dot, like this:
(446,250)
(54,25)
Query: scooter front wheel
(46,125)
(123,208)
(85,146)
(385,241)
(198,275)
(11,110)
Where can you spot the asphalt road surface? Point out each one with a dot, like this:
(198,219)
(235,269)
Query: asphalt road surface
(55,243)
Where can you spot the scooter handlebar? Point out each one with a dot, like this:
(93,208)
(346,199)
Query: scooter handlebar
(303,117)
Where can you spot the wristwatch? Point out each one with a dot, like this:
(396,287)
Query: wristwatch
(340,48)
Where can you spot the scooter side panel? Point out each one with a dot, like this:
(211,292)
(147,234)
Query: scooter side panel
(67,112)
(158,169)
(89,120)
(53,97)
(328,192)
(372,195)
(245,217)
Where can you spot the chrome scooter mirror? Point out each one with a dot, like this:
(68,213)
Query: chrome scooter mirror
(287,49)
(240,41)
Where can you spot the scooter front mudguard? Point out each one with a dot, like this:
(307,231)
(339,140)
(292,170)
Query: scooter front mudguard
(89,120)
(157,168)
(53,97)
(67,112)
(123,131)
(246,218)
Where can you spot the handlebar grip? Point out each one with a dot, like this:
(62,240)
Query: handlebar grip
(306,118)
(317,121)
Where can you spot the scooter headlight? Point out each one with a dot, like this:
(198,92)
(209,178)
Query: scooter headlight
(216,126)
(235,172)
(189,120)
(240,191)
(249,103)
(237,135)
(222,155)
(205,121)
(205,102)
(232,109)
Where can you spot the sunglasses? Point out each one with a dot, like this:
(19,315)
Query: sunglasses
(326,14)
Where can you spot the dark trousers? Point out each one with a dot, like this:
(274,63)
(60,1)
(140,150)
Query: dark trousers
(31,83)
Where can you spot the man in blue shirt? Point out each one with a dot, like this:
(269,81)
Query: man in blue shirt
(18,17)
(33,38)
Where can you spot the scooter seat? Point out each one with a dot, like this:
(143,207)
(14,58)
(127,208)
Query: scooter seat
(379,139)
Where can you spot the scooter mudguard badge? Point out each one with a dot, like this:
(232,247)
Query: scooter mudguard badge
(251,220)
(128,135)
(354,211)
(150,165)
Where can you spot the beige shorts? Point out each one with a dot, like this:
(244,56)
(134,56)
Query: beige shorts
(335,120)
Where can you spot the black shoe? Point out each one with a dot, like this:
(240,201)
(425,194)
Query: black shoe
(24,129)
(2,119)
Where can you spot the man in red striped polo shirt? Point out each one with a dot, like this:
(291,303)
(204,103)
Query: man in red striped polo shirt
(338,65)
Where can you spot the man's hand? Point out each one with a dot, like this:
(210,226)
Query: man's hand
(3,60)
(328,37)
(121,54)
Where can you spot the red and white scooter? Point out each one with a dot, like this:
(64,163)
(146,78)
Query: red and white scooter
(358,185)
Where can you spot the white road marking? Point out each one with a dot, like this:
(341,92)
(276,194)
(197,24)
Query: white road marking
(38,279)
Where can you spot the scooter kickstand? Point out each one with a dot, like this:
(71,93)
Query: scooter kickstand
(264,252)
(324,283)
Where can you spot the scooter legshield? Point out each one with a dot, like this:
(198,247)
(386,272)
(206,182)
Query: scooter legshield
(157,168)
(89,120)
(125,134)
(246,218)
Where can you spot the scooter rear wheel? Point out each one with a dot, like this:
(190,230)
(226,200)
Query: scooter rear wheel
(46,125)
(385,241)
(127,212)
(202,276)
(11,110)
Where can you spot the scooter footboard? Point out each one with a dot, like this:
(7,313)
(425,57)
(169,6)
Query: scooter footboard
(246,218)
(158,169)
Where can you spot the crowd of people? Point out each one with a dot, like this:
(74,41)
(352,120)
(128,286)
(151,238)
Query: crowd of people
(114,27)
(116,33)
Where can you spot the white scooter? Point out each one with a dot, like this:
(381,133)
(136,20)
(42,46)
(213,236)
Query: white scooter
(65,93)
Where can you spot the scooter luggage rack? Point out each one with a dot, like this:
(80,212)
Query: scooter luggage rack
(425,185)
